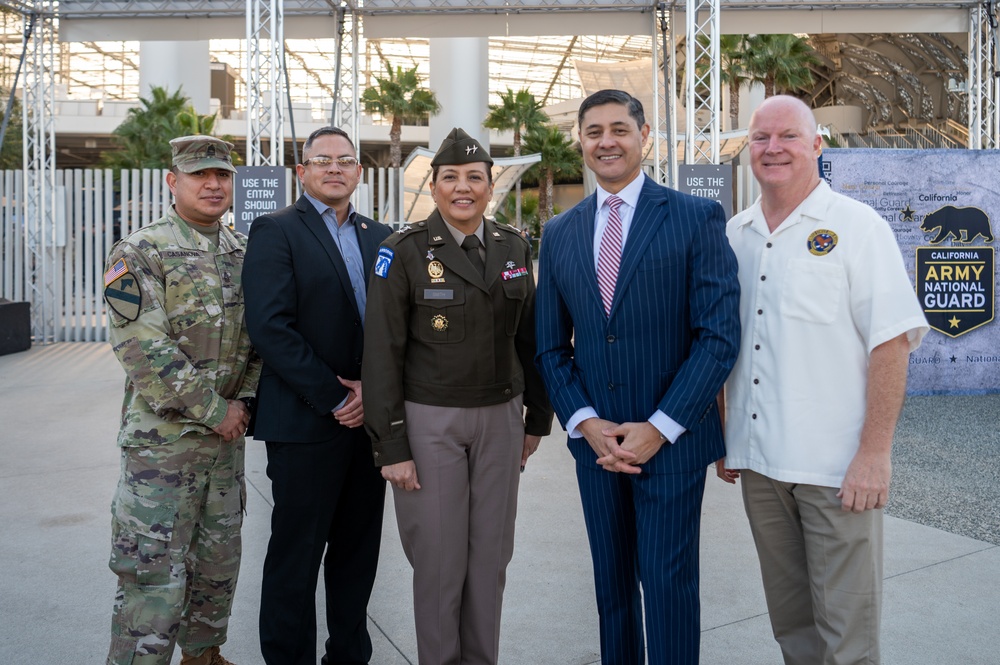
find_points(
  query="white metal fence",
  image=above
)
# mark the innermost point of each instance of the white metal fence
(94, 208)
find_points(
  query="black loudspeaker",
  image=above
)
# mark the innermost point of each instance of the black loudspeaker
(15, 326)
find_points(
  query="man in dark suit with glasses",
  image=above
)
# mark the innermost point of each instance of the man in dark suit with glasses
(305, 278)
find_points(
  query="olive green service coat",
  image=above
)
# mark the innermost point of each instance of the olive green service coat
(437, 333)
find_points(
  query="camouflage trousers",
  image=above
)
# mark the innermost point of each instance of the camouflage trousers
(176, 544)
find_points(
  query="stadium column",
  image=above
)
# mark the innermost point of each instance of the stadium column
(460, 80)
(174, 65)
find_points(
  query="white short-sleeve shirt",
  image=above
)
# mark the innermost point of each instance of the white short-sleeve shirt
(817, 295)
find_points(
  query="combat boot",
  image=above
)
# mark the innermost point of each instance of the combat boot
(210, 656)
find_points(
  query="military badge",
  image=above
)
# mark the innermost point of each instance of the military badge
(435, 269)
(436, 239)
(514, 274)
(430, 255)
(383, 261)
(403, 229)
(123, 294)
(822, 242)
(510, 265)
(439, 323)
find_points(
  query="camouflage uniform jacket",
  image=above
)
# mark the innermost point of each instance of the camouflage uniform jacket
(187, 351)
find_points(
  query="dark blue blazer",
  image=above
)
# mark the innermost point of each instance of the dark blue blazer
(673, 333)
(303, 320)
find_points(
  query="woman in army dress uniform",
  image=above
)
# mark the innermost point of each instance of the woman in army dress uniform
(447, 372)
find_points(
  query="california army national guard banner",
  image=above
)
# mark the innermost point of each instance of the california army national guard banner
(942, 205)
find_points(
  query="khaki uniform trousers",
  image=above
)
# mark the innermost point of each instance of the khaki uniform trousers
(457, 530)
(176, 546)
(822, 570)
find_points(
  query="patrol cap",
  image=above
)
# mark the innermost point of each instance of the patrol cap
(195, 153)
(460, 148)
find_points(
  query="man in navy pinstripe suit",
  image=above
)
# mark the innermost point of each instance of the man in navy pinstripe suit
(634, 342)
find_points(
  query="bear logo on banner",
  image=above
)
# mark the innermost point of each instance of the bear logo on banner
(962, 225)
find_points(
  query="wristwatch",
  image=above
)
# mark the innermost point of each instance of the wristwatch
(250, 403)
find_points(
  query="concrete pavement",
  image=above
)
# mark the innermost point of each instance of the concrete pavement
(59, 409)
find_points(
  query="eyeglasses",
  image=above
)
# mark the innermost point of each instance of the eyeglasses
(323, 162)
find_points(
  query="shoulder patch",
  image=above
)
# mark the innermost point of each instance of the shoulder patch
(383, 261)
(123, 295)
(115, 271)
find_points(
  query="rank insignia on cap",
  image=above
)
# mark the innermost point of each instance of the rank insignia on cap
(383, 261)
(124, 297)
(435, 269)
(821, 242)
(439, 323)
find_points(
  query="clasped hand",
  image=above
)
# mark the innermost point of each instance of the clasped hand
(621, 448)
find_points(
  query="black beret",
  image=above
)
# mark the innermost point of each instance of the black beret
(460, 148)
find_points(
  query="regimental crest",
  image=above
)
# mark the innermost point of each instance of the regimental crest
(821, 242)
(124, 297)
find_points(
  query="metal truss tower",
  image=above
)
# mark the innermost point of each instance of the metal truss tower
(664, 90)
(265, 83)
(39, 150)
(984, 86)
(346, 113)
(701, 78)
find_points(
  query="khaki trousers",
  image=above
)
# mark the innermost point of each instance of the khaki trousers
(458, 530)
(822, 570)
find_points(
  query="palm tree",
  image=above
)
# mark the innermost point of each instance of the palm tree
(780, 62)
(505, 212)
(517, 112)
(732, 70)
(399, 97)
(559, 158)
(144, 136)
(11, 153)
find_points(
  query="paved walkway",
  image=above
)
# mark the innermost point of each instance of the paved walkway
(58, 419)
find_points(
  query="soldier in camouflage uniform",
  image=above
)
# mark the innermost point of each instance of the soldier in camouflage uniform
(175, 302)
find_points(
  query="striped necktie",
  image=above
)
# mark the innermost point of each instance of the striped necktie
(609, 255)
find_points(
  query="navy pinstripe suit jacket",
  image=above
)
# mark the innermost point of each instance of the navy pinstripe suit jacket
(673, 333)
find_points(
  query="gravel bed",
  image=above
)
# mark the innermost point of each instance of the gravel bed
(946, 465)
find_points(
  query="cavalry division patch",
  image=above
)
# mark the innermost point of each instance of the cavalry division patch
(123, 295)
